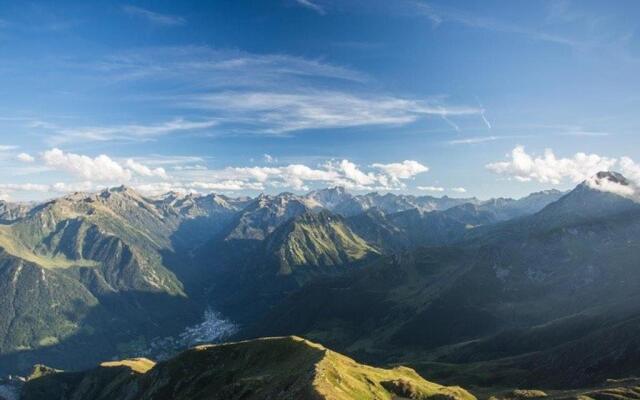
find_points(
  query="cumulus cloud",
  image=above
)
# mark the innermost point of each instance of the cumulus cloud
(404, 170)
(65, 187)
(101, 168)
(548, 168)
(146, 174)
(143, 170)
(300, 176)
(607, 185)
(580, 167)
(25, 157)
(629, 169)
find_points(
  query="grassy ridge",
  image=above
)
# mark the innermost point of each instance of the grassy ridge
(283, 368)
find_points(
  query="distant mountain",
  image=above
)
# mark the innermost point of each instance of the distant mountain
(263, 215)
(317, 242)
(505, 209)
(282, 368)
(524, 298)
(92, 269)
(13, 211)
(201, 217)
(330, 198)
(245, 275)
(108, 274)
(391, 203)
(414, 227)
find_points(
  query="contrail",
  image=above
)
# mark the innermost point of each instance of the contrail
(484, 118)
(451, 123)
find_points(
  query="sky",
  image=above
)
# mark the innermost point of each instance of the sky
(458, 98)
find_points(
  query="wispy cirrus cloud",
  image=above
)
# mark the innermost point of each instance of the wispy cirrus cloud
(240, 92)
(153, 17)
(474, 140)
(281, 112)
(482, 139)
(57, 134)
(438, 15)
(206, 67)
(312, 5)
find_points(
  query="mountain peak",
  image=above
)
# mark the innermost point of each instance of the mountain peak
(121, 190)
(613, 182)
(612, 176)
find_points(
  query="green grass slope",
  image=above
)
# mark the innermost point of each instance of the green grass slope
(316, 240)
(271, 368)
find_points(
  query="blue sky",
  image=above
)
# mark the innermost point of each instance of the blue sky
(463, 98)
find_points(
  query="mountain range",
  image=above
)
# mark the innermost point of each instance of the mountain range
(499, 293)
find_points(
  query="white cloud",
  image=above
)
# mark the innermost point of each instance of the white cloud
(64, 187)
(143, 170)
(154, 17)
(195, 167)
(299, 176)
(607, 185)
(312, 6)
(404, 170)
(101, 168)
(630, 169)
(144, 173)
(550, 169)
(205, 67)
(24, 157)
(439, 15)
(283, 112)
(259, 93)
(474, 140)
(24, 187)
(458, 190)
(132, 132)
(269, 159)
(431, 188)
(7, 147)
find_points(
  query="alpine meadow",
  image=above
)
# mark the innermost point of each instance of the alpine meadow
(320, 200)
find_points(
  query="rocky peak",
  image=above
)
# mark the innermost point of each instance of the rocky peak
(612, 176)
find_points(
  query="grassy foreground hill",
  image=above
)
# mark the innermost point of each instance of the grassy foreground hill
(270, 368)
